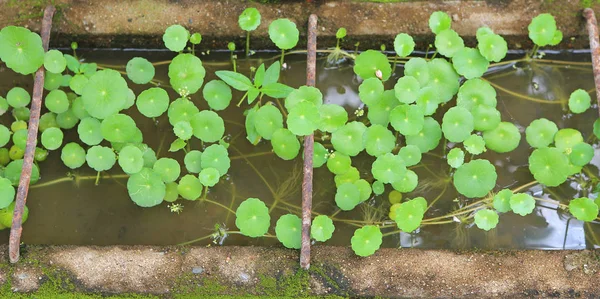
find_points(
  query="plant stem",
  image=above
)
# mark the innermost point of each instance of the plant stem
(242, 100)
(97, 178)
(247, 43)
(282, 56)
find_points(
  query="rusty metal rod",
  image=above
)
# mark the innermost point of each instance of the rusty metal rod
(592, 29)
(309, 142)
(34, 119)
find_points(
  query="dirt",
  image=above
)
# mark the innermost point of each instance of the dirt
(141, 23)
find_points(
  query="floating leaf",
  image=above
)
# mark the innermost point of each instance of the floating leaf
(73, 155)
(457, 124)
(542, 29)
(100, 158)
(249, 19)
(448, 42)
(540, 133)
(579, 101)
(366, 240)
(209, 176)
(189, 187)
(267, 120)
(407, 119)
(193, 161)
(338, 163)
(476, 92)
(428, 100)
(349, 176)
(378, 187)
(56, 101)
(168, 169)
(522, 203)
(4, 135)
(322, 228)
(347, 196)
(406, 89)
(216, 156)
(55, 62)
(208, 126)
(443, 79)
(469, 63)
(364, 189)
(90, 131)
(146, 188)
(502, 200)
(186, 74)
(439, 21)
(78, 83)
(52, 138)
(67, 119)
(417, 68)
(22, 113)
(349, 138)
(474, 144)
(370, 90)
(486, 219)
(20, 138)
(378, 140)
(492, 46)
(581, 154)
(410, 154)
(18, 97)
(388, 168)
(289, 231)
(456, 157)
(485, 118)
(139, 70)
(177, 145)
(566, 139)
(130, 159)
(284, 33)
(252, 218)
(304, 94)
(285, 144)
(217, 94)
(14, 169)
(183, 130)
(582, 208)
(503, 139)
(7, 193)
(428, 138)
(403, 44)
(320, 155)
(332, 117)
(475, 179)
(549, 166)
(181, 109)
(410, 214)
(176, 37)
(379, 114)
(407, 183)
(52, 81)
(21, 49)
(171, 194)
(303, 119)
(104, 94)
(369, 62)
(118, 128)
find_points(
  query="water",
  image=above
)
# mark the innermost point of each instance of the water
(86, 214)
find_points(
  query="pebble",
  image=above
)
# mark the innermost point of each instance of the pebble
(197, 270)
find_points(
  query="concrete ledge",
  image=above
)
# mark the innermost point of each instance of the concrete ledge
(231, 270)
(141, 23)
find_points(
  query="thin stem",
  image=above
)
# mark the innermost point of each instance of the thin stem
(247, 43)
(521, 95)
(97, 178)
(242, 100)
(233, 194)
(196, 240)
(218, 204)
(251, 155)
(282, 56)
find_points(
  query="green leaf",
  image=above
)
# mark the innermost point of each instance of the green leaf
(267, 120)
(378, 140)
(52, 138)
(209, 176)
(18, 97)
(189, 187)
(339, 163)
(492, 46)
(56, 101)
(131, 159)
(566, 139)
(181, 109)
(350, 176)
(364, 189)
(439, 21)
(276, 90)
(369, 62)
(403, 44)
(410, 154)
(253, 93)
(347, 196)
(177, 145)
(146, 189)
(349, 138)
(378, 187)
(289, 231)
(469, 63)
(208, 126)
(259, 76)
(272, 73)
(284, 33)
(171, 194)
(486, 219)
(474, 144)
(100, 158)
(55, 62)
(285, 144)
(320, 155)
(448, 42)
(332, 117)
(549, 166)
(579, 101)
(379, 113)
(104, 94)
(168, 169)
(457, 124)
(21, 49)
(485, 118)
(581, 154)
(153, 102)
(443, 79)
(303, 118)
(322, 228)
(73, 155)
(417, 68)
(410, 214)
(7, 193)
(407, 119)
(340, 33)
(186, 74)
(78, 83)
(475, 179)
(456, 157)
(388, 168)
(139, 70)
(250, 124)
(428, 138)
(249, 19)
(370, 90)
(406, 89)
(542, 29)
(193, 161)
(502, 200)
(175, 38)
(14, 169)
(366, 240)
(196, 38)
(252, 218)
(216, 156)
(235, 80)
(583, 209)
(303, 94)
(503, 139)
(118, 128)
(540, 133)
(407, 183)
(522, 203)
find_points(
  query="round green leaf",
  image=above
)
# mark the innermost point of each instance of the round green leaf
(350, 176)
(153, 102)
(338, 163)
(249, 19)
(303, 94)
(140, 70)
(406, 89)
(7, 193)
(67, 120)
(407, 183)
(469, 63)
(285, 144)
(583, 208)
(181, 109)
(196, 38)
(52, 138)
(146, 189)
(348, 139)
(410, 214)
(183, 130)
(448, 42)
(428, 100)
(407, 119)
(105, 94)
(208, 126)
(579, 101)
(18, 97)
(289, 231)
(193, 161)
(370, 90)
(456, 157)
(542, 29)
(320, 155)
(186, 74)
(217, 94)
(4, 135)
(403, 44)
(303, 119)
(581, 154)
(21, 49)
(502, 200)
(267, 120)
(486, 219)
(118, 128)
(522, 203)
(101, 158)
(347, 196)
(439, 21)
(54, 61)
(56, 101)
(428, 138)
(503, 139)
(566, 139)
(366, 240)
(332, 117)
(175, 38)
(252, 218)
(475, 179)
(457, 124)
(284, 33)
(322, 228)
(540, 133)
(474, 144)
(492, 46)
(388, 168)
(90, 132)
(369, 62)
(379, 113)
(378, 140)
(443, 79)
(189, 187)
(485, 118)
(130, 159)
(378, 187)
(410, 154)
(209, 176)
(73, 155)
(417, 68)
(216, 156)
(14, 169)
(168, 169)
(549, 166)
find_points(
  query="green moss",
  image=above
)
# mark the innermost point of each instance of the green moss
(267, 285)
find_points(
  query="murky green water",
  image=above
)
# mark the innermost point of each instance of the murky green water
(82, 213)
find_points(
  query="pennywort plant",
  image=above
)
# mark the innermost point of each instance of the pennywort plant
(394, 128)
